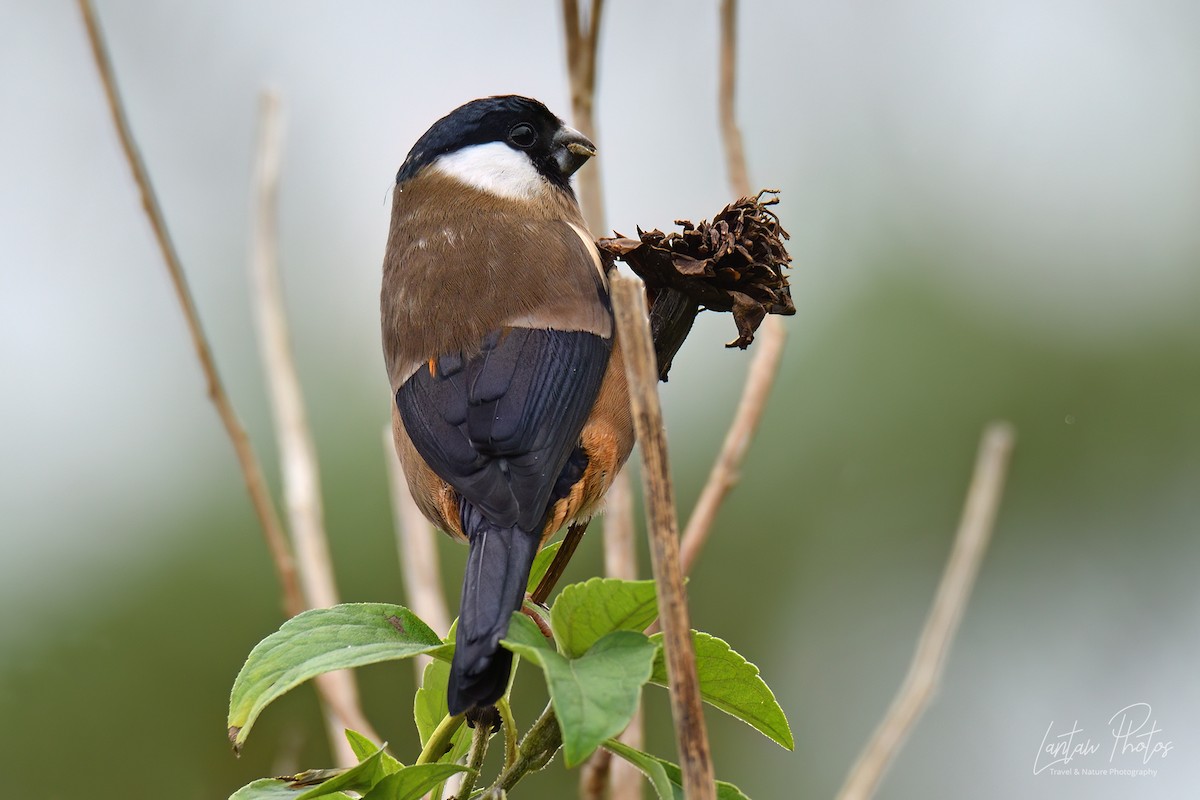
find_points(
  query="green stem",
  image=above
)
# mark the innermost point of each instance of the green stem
(510, 731)
(440, 740)
(537, 748)
(479, 744)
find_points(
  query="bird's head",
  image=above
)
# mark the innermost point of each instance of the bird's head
(507, 145)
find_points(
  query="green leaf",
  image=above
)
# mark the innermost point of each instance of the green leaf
(364, 748)
(595, 695)
(411, 783)
(429, 709)
(731, 683)
(276, 789)
(650, 767)
(541, 565)
(328, 783)
(319, 641)
(429, 704)
(359, 778)
(665, 777)
(584, 612)
(525, 632)
(458, 751)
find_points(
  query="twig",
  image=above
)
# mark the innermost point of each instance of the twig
(541, 742)
(620, 561)
(510, 731)
(479, 745)
(268, 519)
(594, 777)
(418, 551)
(929, 660)
(582, 41)
(768, 347)
(620, 543)
(441, 739)
(558, 564)
(641, 369)
(735, 153)
(297, 452)
(298, 455)
(771, 337)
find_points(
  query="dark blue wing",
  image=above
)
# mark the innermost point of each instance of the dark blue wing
(499, 425)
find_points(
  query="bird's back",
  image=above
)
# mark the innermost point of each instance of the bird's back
(530, 265)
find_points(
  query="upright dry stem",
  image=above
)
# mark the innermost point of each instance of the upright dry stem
(595, 775)
(260, 498)
(731, 134)
(582, 39)
(771, 336)
(768, 350)
(620, 561)
(419, 563)
(297, 451)
(929, 660)
(641, 369)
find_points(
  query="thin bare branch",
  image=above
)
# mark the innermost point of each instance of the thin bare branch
(415, 540)
(298, 456)
(572, 34)
(929, 660)
(419, 562)
(591, 54)
(641, 369)
(620, 561)
(731, 134)
(620, 545)
(582, 40)
(558, 564)
(582, 43)
(297, 452)
(771, 336)
(260, 498)
(594, 777)
(768, 350)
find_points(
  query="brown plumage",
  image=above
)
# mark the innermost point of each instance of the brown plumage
(499, 346)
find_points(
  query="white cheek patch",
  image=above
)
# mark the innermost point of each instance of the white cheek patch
(494, 168)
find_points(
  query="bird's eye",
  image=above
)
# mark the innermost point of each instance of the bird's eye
(523, 135)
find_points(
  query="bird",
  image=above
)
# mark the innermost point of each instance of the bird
(511, 409)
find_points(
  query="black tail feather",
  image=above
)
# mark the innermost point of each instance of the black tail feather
(493, 587)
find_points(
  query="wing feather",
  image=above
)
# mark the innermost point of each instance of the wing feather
(500, 425)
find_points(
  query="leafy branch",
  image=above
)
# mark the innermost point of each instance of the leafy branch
(595, 662)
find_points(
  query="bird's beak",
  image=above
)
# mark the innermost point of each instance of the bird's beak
(571, 150)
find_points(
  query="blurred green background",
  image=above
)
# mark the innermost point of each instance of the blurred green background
(994, 214)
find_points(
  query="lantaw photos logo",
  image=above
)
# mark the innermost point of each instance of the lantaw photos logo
(1133, 747)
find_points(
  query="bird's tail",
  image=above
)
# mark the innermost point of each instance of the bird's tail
(498, 566)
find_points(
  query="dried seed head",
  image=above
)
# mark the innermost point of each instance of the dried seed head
(734, 263)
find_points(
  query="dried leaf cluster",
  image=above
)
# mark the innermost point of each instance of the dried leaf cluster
(734, 263)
